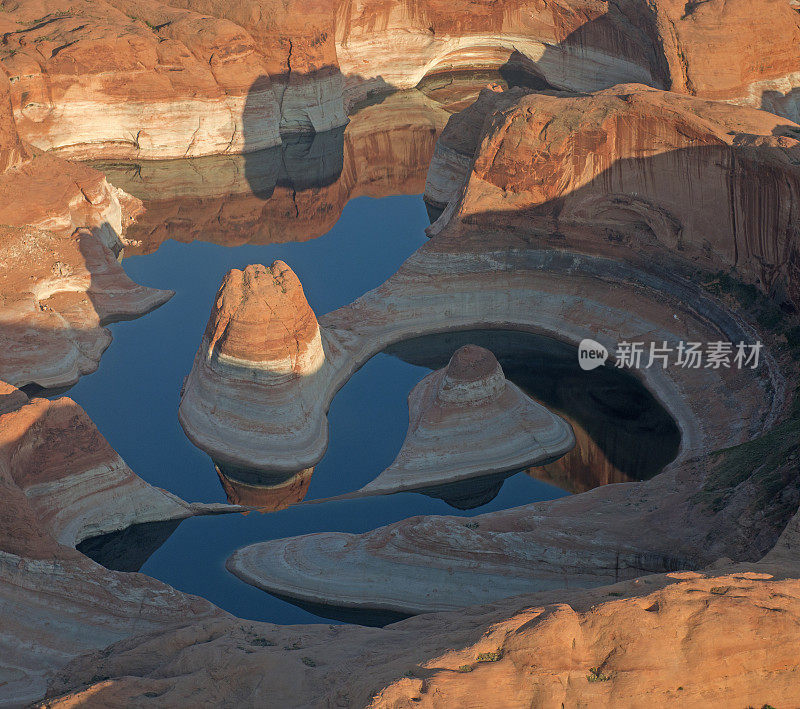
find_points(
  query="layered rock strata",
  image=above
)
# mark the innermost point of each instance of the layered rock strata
(61, 227)
(56, 292)
(542, 264)
(466, 421)
(177, 78)
(714, 184)
(264, 494)
(62, 483)
(252, 397)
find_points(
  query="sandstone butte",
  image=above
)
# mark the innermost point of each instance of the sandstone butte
(252, 394)
(181, 78)
(467, 420)
(133, 640)
(723, 634)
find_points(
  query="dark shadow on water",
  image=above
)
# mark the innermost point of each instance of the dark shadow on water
(128, 549)
(469, 494)
(358, 616)
(302, 162)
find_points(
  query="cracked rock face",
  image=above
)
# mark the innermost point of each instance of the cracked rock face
(466, 421)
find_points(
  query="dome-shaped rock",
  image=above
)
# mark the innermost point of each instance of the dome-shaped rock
(466, 421)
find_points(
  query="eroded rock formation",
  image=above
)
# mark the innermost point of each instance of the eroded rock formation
(714, 184)
(467, 420)
(251, 397)
(173, 78)
(56, 292)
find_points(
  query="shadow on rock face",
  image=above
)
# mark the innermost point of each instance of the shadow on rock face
(130, 548)
(303, 161)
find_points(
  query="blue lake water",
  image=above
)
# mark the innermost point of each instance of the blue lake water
(133, 397)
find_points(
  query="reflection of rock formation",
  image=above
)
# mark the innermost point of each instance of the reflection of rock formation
(712, 183)
(266, 493)
(468, 494)
(466, 421)
(293, 192)
(250, 396)
(586, 466)
(504, 281)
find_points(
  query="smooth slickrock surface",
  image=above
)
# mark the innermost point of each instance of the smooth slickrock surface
(55, 294)
(251, 397)
(61, 226)
(467, 420)
(712, 183)
(691, 639)
(534, 278)
(61, 483)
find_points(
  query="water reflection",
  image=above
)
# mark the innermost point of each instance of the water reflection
(129, 548)
(265, 492)
(293, 192)
(622, 433)
(469, 494)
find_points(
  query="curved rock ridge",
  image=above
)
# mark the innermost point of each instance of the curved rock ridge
(467, 420)
(61, 484)
(78, 486)
(249, 398)
(56, 292)
(579, 281)
(716, 184)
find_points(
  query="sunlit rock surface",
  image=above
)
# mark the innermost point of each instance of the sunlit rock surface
(61, 226)
(467, 420)
(251, 398)
(56, 292)
(159, 79)
(715, 184)
(613, 647)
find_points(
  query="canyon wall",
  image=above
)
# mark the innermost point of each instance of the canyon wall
(716, 185)
(179, 78)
